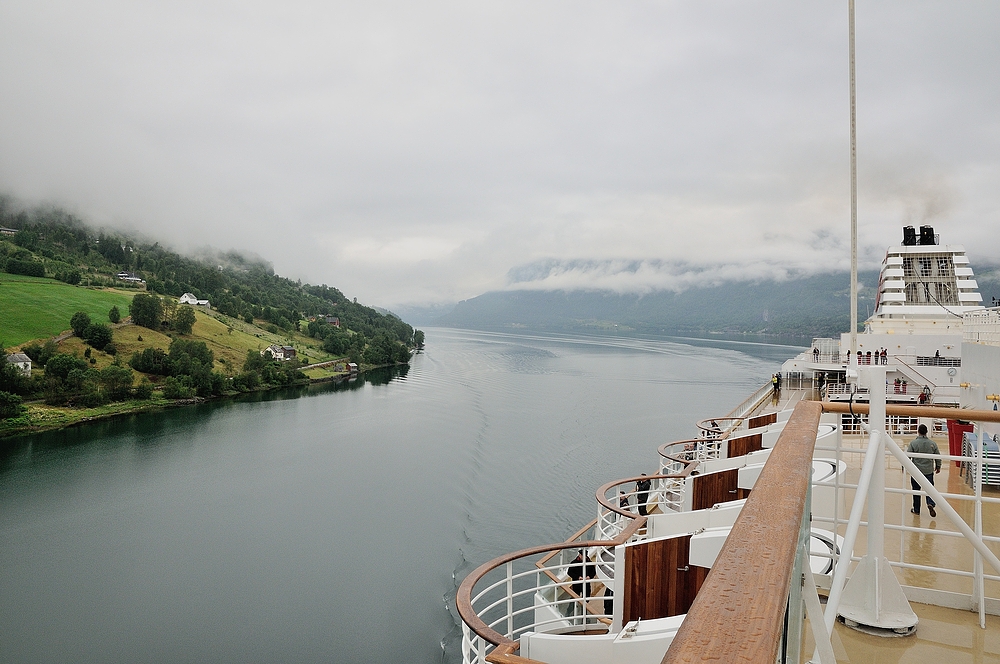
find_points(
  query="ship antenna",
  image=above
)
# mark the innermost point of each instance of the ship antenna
(854, 195)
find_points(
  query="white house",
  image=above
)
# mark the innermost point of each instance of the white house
(21, 361)
(131, 277)
(189, 298)
(283, 353)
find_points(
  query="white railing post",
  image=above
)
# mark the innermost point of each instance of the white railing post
(980, 589)
(510, 600)
(850, 536)
(795, 623)
(873, 597)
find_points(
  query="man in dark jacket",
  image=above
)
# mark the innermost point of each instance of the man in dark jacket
(642, 494)
(927, 467)
(575, 572)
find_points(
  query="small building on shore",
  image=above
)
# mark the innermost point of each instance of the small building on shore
(21, 361)
(280, 353)
(189, 298)
(130, 277)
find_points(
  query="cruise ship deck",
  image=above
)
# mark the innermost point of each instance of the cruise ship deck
(921, 543)
(938, 569)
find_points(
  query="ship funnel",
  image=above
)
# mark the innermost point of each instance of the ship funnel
(909, 236)
(927, 235)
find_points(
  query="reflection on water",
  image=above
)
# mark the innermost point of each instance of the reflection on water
(332, 522)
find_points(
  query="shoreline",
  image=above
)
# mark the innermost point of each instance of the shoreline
(59, 417)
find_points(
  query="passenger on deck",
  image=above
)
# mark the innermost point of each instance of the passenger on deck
(927, 467)
(575, 572)
(642, 494)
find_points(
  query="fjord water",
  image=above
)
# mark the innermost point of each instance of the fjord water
(333, 523)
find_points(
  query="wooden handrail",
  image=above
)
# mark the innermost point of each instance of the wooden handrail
(739, 612)
(504, 654)
(463, 599)
(706, 424)
(661, 450)
(939, 412)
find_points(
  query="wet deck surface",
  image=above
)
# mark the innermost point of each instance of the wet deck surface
(943, 636)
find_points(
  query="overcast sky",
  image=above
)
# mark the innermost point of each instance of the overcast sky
(422, 152)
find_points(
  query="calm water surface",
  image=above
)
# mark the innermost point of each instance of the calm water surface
(333, 524)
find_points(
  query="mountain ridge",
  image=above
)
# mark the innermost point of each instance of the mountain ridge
(811, 306)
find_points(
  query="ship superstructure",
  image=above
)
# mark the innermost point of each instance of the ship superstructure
(924, 287)
(925, 291)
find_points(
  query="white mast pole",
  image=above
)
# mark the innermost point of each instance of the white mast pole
(854, 198)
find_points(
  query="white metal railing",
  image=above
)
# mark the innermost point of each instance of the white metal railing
(546, 589)
(982, 327)
(846, 389)
(869, 359)
(668, 492)
(825, 358)
(938, 361)
(611, 524)
(964, 561)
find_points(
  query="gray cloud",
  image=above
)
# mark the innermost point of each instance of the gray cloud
(416, 152)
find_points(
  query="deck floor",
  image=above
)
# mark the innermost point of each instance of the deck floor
(943, 635)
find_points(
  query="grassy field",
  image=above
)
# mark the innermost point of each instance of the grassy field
(228, 339)
(36, 308)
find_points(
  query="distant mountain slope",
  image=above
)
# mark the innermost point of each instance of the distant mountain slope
(812, 306)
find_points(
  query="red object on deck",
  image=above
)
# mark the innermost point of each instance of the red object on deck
(956, 432)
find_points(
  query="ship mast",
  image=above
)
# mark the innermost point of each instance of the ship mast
(854, 197)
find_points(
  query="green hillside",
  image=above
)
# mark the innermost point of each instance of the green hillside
(35, 307)
(53, 267)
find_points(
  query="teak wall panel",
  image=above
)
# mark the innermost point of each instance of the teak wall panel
(712, 488)
(658, 580)
(761, 420)
(745, 445)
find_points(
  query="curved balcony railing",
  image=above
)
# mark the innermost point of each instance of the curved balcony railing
(615, 512)
(675, 458)
(543, 588)
(719, 427)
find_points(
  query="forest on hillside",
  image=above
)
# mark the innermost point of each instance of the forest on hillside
(51, 242)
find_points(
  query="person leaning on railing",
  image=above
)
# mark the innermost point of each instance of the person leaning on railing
(927, 467)
(642, 493)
